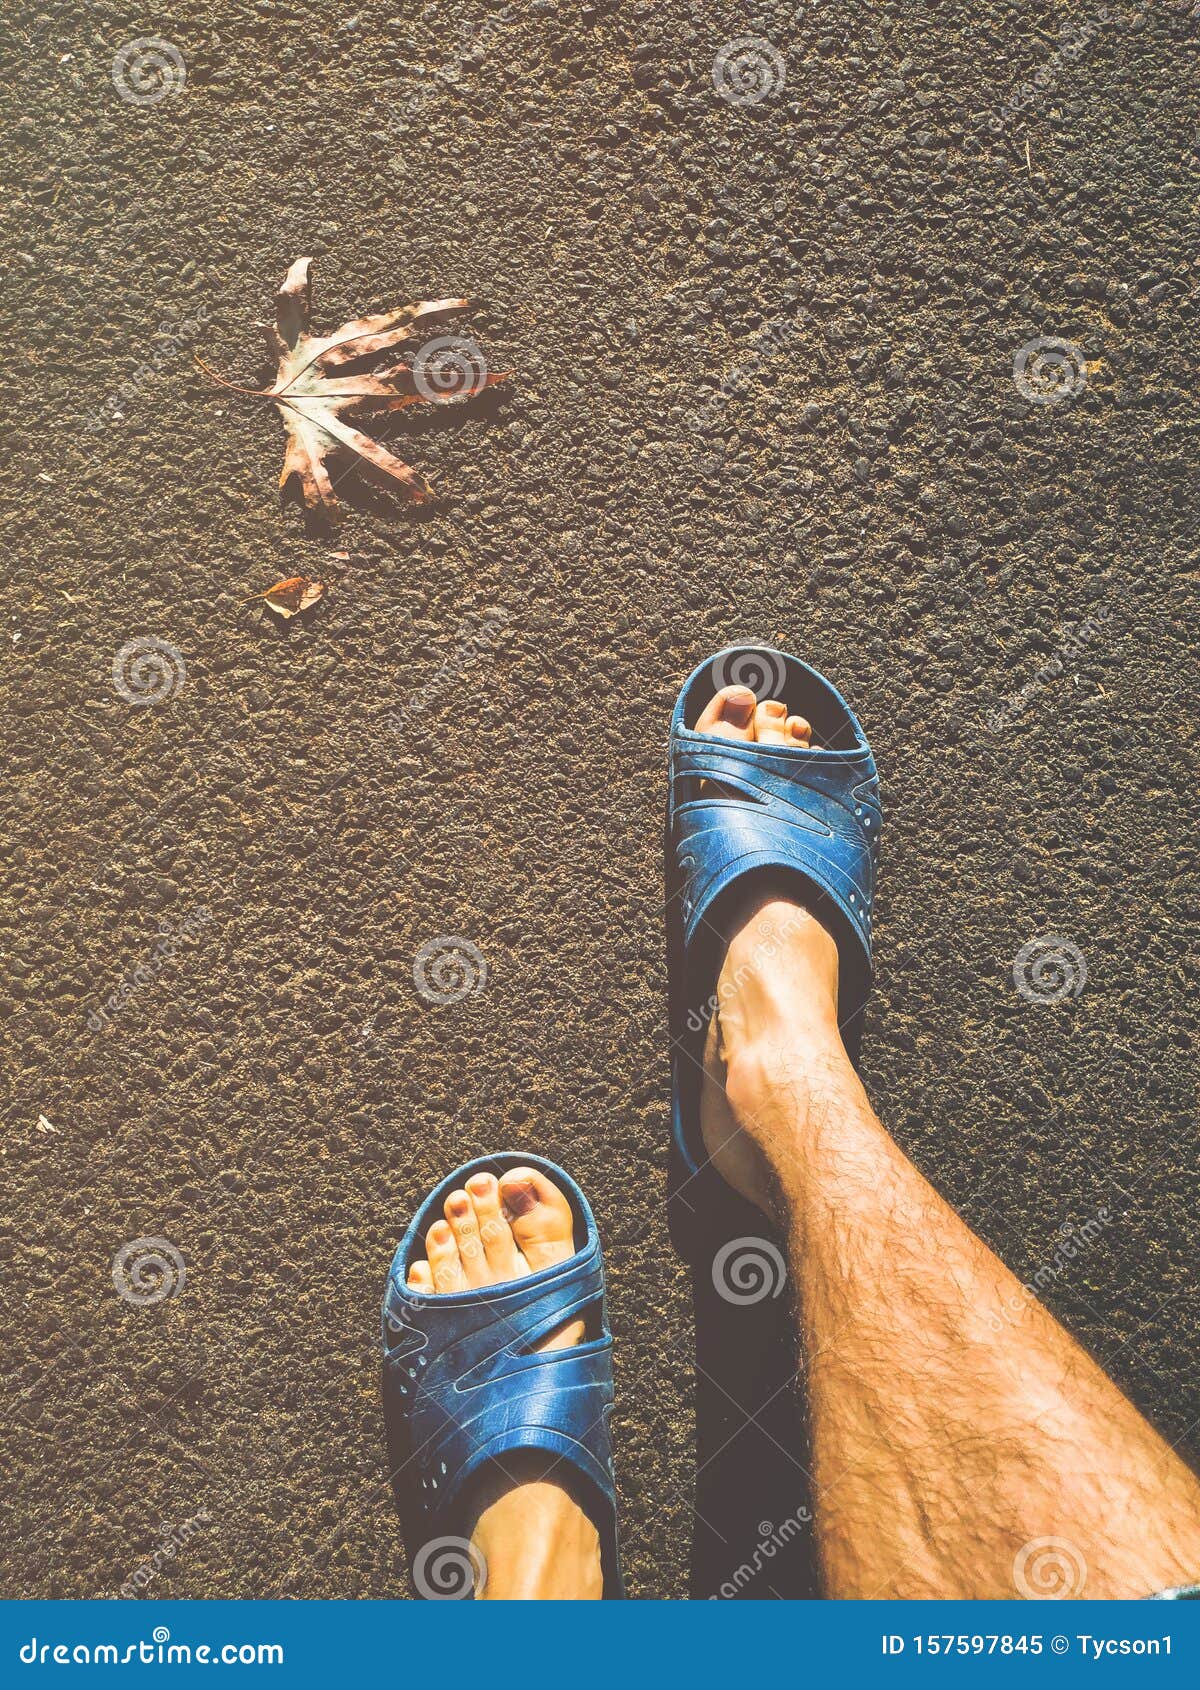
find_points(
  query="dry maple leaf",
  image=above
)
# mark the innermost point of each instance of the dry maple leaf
(321, 382)
(288, 598)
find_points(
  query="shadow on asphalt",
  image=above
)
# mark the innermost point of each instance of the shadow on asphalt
(753, 1534)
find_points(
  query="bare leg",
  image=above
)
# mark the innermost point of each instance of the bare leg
(956, 1426)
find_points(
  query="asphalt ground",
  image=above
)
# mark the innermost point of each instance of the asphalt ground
(780, 374)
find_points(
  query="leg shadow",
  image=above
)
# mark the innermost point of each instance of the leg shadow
(753, 1532)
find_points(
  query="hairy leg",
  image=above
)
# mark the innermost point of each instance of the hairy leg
(956, 1426)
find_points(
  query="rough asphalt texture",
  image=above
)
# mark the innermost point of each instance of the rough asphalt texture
(763, 389)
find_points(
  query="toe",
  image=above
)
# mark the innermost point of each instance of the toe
(799, 731)
(420, 1277)
(444, 1265)
(769, 723)
(460, 1212)
(540, 1217)
(499, 1245)
(730, 714)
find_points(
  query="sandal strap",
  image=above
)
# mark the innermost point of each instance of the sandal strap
(817, 812)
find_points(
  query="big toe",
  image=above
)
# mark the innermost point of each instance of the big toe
(539, 1215)
(729, 714)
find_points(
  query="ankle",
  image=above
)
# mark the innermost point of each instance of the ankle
(788, 1098)
(776, 1021)
(536, 1544)
(787, 1076)
(773, 1048)
(779, 978)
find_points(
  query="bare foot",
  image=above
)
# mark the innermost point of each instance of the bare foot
(534, 1539)
(777, 991)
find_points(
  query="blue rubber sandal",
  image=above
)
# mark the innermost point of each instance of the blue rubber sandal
(810, 818)
(463, 1388)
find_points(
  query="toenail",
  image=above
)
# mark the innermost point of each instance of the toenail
(520, 1199)
(459, 1204)
(480, 1184)
(738, 707)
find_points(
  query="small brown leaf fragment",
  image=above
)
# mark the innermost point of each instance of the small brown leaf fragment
(292, 304)
(288, 598)
(323, 381)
